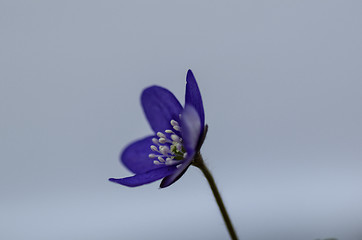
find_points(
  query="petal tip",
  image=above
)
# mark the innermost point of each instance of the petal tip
(160, 107)
(189, 74)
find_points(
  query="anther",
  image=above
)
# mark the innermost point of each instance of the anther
(170, 162)
(161, 135)
(177, 128)
(151, 155)
(162, 140)
(161, 159)
(179, 147)
(156, 162)
(175, 138)
(169, 131)
(174, 123)
(155, 141)
(154, 148)
(164, 150)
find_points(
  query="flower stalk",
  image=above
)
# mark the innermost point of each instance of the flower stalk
(199, 163)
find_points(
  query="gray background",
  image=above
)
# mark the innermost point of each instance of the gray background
(281, 83)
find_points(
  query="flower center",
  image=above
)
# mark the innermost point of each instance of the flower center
(168, 151)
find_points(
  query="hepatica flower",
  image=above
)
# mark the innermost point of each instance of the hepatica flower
(178, 135)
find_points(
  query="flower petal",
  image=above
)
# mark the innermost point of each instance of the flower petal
(193, 96)
(190, 125)
(143, 178)
(167, 181)
(160, 107)
(191, 128)
(135, 156)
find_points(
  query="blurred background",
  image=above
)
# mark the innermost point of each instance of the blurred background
(281, 83)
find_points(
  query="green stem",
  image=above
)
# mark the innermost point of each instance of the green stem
(199, 162)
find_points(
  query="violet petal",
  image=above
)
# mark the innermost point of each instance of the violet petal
(144, 178)
(160, 107)
(135, 156)
(193, 96)
(191, 128)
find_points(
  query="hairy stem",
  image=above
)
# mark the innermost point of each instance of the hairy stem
(199, 162)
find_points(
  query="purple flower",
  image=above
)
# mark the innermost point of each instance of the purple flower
(178, 135)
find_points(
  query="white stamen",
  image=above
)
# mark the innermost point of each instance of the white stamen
(168, 139)
(169, 162)
(175, 138)
(162, 140)
(179, 147)
(161, 135)
(155, 141)
(164, 150)
(177, 128)
(174, 123)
